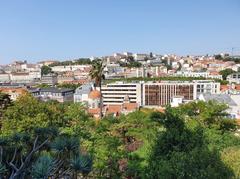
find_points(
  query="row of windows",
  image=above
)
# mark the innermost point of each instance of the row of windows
(119, 93)
(117, 97)
(121, 86)
(118, 89)
(161, 95)
(120, 102)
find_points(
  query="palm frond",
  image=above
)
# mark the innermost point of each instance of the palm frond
(2, 169)
(43, 167)
(63, 144)
(82, 163)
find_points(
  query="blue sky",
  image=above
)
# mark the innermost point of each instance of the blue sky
(58, 29)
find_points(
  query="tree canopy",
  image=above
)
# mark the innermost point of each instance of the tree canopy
(51, 139)
(226, 72)
(46, 70)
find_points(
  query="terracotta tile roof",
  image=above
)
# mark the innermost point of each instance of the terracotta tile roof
(214, 73)
(237, 87)
(117, 109)
(224, 87)
(13, 90)
(110, 109)
(20, 74)
(130, 106)
(94, 111)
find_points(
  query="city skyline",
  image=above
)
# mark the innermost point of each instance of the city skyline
(35, 31)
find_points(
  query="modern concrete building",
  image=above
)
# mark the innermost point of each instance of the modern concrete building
(50, 79)
(115, 93)
(161, 93)
(155, 94)
(206, 86)
(204, 74)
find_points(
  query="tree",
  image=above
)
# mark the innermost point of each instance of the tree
(226, 72)
(46, 153)
(151, 55)
(182, 152)
(130, 64)
(46, 70)
(97, 75)
(218, 57)
(32, 128)
(230, 156)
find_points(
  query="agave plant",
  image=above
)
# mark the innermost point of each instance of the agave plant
(66, 144)
(44, 167)
(2, 169)
(81, 164)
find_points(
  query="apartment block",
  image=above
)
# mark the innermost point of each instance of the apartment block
(155, 94)
(234, 78)
(116, 92)
(59, 94)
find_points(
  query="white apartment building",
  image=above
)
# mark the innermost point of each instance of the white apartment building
(127, 54)
(197, 74)
(206, 86)
(4, 77)
(20, 77)
(139, 57)
(234, 78)
(69, 68)
(116, 92)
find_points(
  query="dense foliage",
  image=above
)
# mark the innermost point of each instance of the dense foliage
(167, 78)
(51, 139)
(130, 64)
(226, 72)
(80, 61)
(45, 70)
(228, 58)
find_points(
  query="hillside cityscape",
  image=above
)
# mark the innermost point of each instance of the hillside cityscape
(119, 89)
(129, 81)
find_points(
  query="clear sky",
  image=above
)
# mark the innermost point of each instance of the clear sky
(62, 29)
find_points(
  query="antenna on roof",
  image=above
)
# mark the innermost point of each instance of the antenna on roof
(232, 50)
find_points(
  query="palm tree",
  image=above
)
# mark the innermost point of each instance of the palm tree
(96, 74)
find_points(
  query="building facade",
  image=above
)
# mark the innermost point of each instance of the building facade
(81, 93)
(155, 94)
(116, 92)
(46, 94)
(50, 79)
(234, 78)
(161, 94)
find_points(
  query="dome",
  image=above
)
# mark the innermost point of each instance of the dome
(94, 94)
